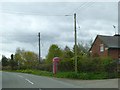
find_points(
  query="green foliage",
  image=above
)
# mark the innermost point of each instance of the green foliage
(45, 67)
(6, 67)
(67, 53)
(8, 63)
(66, 65)
(36, 72)
(13, 64)
(109, 64)
(81, 49)
(88, 67)
(5, 61)
(71, 75)
(66, 62)
(83, 75)
(26, 59)
(54, 51)
(96, 64)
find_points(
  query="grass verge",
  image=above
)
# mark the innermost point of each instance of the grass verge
(71, 75)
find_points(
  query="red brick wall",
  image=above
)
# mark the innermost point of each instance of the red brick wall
(114, 53)
(96, 48)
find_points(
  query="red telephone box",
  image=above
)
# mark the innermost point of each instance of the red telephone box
(55, 64)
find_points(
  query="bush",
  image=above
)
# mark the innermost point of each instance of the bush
(6, 68)
(71, 75)
(83, 75)
(66, 65)
(109, 65)
(45, 67)
(36, 72)
(88, 64)
(96, 64)
(25, 71)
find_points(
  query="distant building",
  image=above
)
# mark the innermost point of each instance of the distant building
(106, 46)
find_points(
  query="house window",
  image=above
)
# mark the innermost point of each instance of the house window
(101, 48)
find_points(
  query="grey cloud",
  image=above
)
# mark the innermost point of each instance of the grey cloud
(42, 8)
(19, 37)
(21, 30)
(100, 11)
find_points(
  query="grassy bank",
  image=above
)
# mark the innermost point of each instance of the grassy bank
(71, 75)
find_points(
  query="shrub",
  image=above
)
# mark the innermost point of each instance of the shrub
(109, 65)
(44, 67)
(25, 71)
(6, 68)
(66, 65)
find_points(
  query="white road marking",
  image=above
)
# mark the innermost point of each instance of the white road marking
(29, 81)
(20, 76)
(26, 79)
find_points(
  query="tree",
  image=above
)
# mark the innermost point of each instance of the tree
(81, 49)
(66, 64)
(30, 59)
(54, 51)
(67, 53)
(5, 61)
(27, 59)
(19, 56)
(13, 63)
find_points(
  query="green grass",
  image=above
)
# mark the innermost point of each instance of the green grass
(36, 72)
(70, 75)
(82, 75)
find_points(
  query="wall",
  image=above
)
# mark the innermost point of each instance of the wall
(96, 48)
(114, 53)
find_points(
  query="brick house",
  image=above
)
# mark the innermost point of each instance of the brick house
(104, 46)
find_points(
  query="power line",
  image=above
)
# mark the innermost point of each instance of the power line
(31, 13)
(88, 5)
(82, 6)
(77, 8)
(12, 35)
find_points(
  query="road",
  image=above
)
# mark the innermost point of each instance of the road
(21, 80)
(18, 80)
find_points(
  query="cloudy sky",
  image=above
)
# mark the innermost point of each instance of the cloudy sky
(20, 23)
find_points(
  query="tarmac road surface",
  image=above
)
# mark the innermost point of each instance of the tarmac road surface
(21, 80)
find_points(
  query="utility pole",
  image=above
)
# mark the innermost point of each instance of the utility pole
(75, 42)
(39, 48)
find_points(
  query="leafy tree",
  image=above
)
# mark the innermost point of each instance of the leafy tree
(82, 49)
(13, 63)
(30, 59)
(66, 64)
(19, 56)
(79, 49)
(54, 51)
(67, 53)
(26, 59)
(5, 61)
(66, 48)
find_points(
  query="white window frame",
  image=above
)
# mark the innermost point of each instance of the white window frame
(101, 47)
